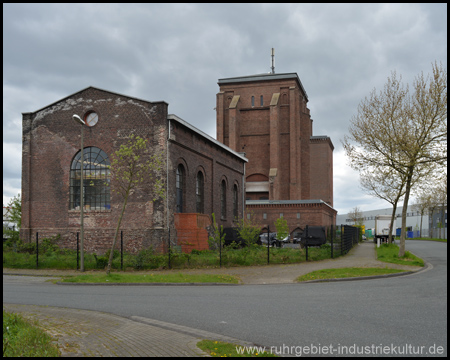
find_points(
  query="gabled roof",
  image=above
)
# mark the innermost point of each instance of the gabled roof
(204, 135)
(95, 88)
(263, 77)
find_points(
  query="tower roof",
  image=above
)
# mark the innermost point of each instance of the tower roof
(263, 77)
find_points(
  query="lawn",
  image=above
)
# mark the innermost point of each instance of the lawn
(151, 278)
(346, 273)
(223, 349)
(389, 253)
(22, 338)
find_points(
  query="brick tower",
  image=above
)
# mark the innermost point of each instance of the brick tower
(266, 117)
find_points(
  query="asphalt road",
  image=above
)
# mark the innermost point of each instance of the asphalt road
(392, 316)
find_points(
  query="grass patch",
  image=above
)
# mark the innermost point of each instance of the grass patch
(151, 278)
(222, 349)
(429, 239)
(346, 273)
(389, 253)
(22, 338)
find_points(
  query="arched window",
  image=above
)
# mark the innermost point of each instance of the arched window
(223, 200)
(199, 193)
(96, 180)
(180, 187)
(235, 201)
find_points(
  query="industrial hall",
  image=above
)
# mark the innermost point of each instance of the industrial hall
(265, 163)
(201, 176)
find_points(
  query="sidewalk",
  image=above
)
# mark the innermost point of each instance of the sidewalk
(91, 333)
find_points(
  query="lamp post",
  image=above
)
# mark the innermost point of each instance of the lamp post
(80, 121)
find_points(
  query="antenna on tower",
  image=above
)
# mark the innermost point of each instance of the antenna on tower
(273, 61)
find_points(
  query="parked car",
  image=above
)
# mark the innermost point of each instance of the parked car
(263, 238)
(273, 239)
(284, 240)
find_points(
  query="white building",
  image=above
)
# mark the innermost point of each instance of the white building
(413, 220)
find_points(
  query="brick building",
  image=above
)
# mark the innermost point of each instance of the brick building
(200, 174)
(290, 171)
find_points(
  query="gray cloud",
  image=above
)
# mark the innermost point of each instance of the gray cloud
(177, 52)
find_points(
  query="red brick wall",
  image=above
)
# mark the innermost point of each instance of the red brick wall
(191, 230)
(281, 133)
(318, 214)
(278, 136)
(322, 169)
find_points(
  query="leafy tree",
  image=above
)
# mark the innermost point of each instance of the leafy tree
(15, 216)
(248, 230)
(131, 165)
(402, 131)
(282, 228)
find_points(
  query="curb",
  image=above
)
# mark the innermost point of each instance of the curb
(146, 284)
(368, 277)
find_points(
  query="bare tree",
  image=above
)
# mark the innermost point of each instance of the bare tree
(422, 206)
(401, 131)
(386, 185)
(356, 216)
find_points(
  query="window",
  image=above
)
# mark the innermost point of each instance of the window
(180, 187)
(253, 101)
(91, 118)
(223, 200)
(199, 192)
(262, 101)
(96, 178)
(235, 201)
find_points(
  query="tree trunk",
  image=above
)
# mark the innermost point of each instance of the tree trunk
(421, 218)
(401, 251)
(392, 222)
(108, 269)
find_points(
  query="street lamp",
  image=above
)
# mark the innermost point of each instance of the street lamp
(80, 121)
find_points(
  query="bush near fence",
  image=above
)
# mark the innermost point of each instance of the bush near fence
(340, 239)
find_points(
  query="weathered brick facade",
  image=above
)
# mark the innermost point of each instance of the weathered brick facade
(266, 117)
(51, 139)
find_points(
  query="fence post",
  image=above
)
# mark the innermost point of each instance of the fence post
(268, 242)
(306, 241)
(37, 251)
(331, 235)
(78, 249)
(121, 250)
(220, 247)
(169, 248)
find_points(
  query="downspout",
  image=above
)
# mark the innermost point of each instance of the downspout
(243, 193)
(167, 183)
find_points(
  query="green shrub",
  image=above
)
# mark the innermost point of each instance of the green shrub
(147, 259)
(101, 261)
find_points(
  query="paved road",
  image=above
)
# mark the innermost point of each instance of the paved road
(407, 312)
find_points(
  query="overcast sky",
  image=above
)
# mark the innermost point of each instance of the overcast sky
(177, 53)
